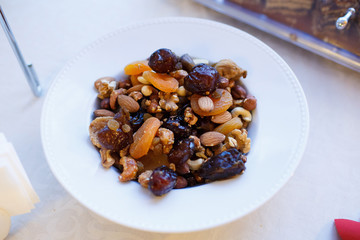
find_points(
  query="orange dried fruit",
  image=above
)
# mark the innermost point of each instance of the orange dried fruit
(220, 104)
(144, 137)
(134, 81)
(163, 82)
(136, 68)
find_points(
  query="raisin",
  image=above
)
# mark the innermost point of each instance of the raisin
(136, 120)
(178, 126)
(224, 165)
(182, 151)
(162, 180)
(205, 125)
(203, 79)
(163, 61)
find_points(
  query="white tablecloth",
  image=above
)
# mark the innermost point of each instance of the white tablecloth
(325, 185)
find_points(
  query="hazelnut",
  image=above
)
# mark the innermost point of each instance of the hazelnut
(181, 182)
(238, 92)
(223, 82)
(105, 103)
(250, 103)
(124, 83)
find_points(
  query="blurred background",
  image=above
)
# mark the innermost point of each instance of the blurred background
(51, 32)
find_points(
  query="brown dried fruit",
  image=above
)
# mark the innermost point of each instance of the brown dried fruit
(95, 126)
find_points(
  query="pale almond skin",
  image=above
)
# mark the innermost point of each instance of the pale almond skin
(221, 118)
(103, 113)
(135, 88)
(210, 139)
(128, 102)
(225, 128)
(206, 104)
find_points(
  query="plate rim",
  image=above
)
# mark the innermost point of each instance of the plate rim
(266, 196)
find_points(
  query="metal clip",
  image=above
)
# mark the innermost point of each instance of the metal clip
(28, 69)
(343, 21)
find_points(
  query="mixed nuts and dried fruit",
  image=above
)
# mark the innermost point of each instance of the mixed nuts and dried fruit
(174, 122)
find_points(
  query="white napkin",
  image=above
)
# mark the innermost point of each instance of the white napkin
(17, 195)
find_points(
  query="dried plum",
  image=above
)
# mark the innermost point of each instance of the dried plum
(224, 165)
(114, 140)
(203, 79)
(182, 151)
(191, 180)
(122, 116)
(178, 126)
(162, 180)
(163, 61)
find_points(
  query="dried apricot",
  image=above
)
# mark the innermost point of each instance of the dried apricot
(134, 80)
(144, 137)
(163, 82)
(136, 68)
(220, 104)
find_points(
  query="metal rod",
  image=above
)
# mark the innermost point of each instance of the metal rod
(28, 69)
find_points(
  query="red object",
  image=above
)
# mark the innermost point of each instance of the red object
(348, 229)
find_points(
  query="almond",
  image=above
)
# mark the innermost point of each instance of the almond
(103, 113)
(128, 102)
(113, 97)
(206, 104)
(221, 118)
(210, 139)
(135, 88)
(227, 127)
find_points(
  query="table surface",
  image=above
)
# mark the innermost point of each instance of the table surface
(325, 185)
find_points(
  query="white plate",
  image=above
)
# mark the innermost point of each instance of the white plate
(279, 131)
